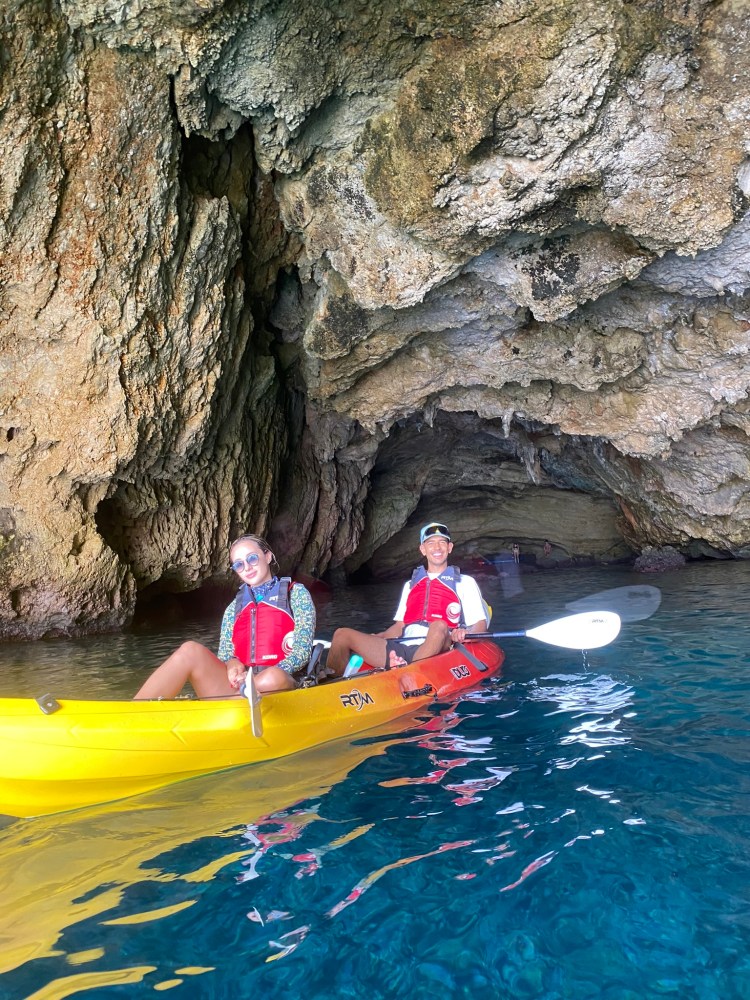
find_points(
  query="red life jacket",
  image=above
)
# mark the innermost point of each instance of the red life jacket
(434, 600)
(263, 632)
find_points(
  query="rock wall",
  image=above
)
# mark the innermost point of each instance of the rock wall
(325, 272)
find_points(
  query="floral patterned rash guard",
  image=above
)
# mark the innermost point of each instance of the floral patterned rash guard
(303, 612)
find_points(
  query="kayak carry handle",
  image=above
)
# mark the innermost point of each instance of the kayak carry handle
(48, 703)
(419, 692)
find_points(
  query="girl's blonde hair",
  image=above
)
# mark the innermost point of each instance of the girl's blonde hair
(260, 542)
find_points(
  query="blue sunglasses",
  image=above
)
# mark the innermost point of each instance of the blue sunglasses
(239, 565)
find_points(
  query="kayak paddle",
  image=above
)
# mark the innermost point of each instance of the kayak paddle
(632, 604)
(253, 699)
(588, 630)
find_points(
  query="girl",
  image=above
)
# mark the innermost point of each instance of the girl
(268, 628)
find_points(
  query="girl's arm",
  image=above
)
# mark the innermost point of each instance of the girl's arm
(303, 612)
(226, 645)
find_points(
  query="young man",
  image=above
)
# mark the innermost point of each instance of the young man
(438, 606)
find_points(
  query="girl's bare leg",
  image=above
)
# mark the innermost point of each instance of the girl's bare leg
(274, 679)
(191, 662)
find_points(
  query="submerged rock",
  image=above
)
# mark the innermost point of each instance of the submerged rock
(659, 560)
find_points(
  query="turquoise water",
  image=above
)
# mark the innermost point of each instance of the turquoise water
(579, 827)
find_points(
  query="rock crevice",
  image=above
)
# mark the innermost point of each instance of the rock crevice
(324, 273)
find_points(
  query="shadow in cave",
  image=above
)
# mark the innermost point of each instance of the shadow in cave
(156, 609)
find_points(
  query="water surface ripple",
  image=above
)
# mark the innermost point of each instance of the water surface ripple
(578, 827)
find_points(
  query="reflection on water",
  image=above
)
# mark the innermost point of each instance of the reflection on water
(579, 693)
(597, 701)
(575, 828)
(58, 871)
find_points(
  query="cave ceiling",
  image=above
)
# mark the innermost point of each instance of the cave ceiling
(327, 271)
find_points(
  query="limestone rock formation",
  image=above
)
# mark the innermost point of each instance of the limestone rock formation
(327, 271)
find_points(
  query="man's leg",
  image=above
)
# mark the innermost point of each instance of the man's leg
(347, 641)
(436, 641)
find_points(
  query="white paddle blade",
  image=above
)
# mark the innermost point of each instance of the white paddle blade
(633, 604)
(253, 698)
(585, 631)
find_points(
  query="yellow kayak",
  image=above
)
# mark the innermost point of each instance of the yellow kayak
(79, 753)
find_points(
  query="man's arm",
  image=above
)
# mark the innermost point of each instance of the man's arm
(472, 604)
(459, 634)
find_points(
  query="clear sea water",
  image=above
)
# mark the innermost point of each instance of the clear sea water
(579, 827)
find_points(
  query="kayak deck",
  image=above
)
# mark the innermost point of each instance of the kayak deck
(89, 752)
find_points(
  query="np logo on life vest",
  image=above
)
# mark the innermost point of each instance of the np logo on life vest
(287, 643)
(453, 611)
(460, 671)
(355, 699)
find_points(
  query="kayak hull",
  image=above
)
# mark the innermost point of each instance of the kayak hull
(89, 752)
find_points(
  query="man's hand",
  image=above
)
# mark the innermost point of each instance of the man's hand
(459, 634)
